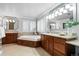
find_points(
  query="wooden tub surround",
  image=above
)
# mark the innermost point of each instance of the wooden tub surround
(29, 40)
(28, 43)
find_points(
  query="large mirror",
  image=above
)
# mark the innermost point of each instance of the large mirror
(61, 15)
(10, 23)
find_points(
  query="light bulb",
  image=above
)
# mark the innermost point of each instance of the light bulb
(61, 9)
(60, 13)
(10, 20)
(65, 11)
(55, 15)
(67, 6)
(71, 8)
(56, 12)
(13, 21)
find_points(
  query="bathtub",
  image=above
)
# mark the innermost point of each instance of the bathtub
(29, 40)
(30, 37)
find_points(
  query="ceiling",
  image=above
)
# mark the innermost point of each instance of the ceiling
(30, 10)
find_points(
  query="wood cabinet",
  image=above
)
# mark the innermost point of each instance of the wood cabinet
(10, 38)
(55, 46)
(59, 46)
(47, 43)
(50, 44)
(44, 42)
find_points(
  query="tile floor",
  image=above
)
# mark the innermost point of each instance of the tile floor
(18, 50)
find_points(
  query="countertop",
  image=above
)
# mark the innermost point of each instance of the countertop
(73, 42)
(11, 31)
(57, 35)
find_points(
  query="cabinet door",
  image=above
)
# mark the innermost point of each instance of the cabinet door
(10, 38)
(57, 53)
(59, 46)
(51, 45)
(46, 43)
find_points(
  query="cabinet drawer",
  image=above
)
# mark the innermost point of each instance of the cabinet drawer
(57, 53)
(59, 40)
(59, 47)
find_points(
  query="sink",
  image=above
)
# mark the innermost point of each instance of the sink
(62, 34)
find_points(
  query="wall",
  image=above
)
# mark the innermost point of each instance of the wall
(42, 25)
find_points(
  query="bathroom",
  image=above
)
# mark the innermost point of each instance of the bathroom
(25, 25)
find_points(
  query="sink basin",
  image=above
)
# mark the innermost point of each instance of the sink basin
(62, 34)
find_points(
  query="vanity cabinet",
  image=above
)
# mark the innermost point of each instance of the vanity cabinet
(51, 44)
(59, 46)
(44, 42)
(9, 38)
(47, 43)
(55, 46)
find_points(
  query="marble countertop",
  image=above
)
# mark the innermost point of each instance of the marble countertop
(11, 31)
(57, 35)
(73, 42)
